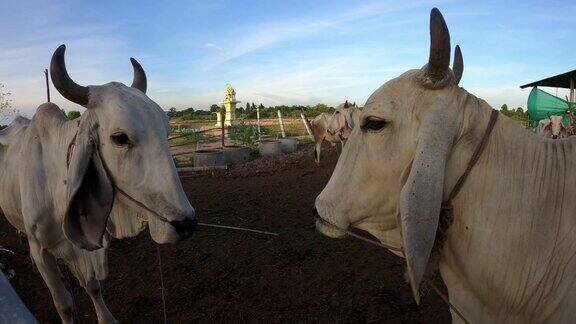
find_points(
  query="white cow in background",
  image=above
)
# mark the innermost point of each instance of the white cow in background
(60, 181)
(552, 127)
(333, 128)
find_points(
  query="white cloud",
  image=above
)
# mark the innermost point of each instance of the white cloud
(212, 46)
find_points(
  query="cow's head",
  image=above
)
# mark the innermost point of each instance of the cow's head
(556, 128)
(341, 122)
(121, 142)
(395, 158)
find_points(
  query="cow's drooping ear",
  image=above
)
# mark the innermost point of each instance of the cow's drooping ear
(90, 194)
(458, 65)
(422, 193)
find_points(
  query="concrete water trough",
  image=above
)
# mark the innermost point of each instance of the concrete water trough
(270, 147)
(288, 144)
(234, 154)
(208, 158)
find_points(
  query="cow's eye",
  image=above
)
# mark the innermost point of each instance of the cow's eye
(120, 139)
(374, 124)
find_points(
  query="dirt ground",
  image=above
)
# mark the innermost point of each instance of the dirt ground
(228, 276)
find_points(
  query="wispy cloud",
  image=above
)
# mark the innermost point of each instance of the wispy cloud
(212, 46)
(269, 33)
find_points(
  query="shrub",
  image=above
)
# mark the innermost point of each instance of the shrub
(246, 135)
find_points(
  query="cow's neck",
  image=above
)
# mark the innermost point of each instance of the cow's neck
(55, 133)
(511, 243)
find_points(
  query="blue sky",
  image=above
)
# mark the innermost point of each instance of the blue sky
(279, 52)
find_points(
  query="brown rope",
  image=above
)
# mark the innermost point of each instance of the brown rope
(475, 157)
(162, 284)
(447, 301)
(360, 237)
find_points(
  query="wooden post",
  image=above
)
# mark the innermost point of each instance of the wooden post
(222, 125)
(305, 121)
(571, 89)
(47, 84)
(281, 123)
(258, 119)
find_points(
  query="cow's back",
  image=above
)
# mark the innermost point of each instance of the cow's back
(11, 142)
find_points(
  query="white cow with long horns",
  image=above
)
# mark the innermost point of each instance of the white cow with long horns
(506, 247)
(60, 181)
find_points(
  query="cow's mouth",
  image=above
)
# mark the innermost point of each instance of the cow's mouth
(327, 228)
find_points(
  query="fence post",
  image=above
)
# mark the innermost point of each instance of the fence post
(281, 123)
(258, 120)
(305, 121)
(47, 85)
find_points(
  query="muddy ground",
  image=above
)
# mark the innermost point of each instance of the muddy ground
(228, 276)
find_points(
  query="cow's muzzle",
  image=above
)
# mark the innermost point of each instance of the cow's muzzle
(185, 227)
(554, 136)
(325, 227)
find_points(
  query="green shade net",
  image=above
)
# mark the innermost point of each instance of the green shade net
(541, 105)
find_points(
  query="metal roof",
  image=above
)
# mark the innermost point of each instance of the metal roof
(557, 81)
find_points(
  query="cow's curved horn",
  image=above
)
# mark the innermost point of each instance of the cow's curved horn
(458, 65)
(439, 60)
(139, 81)
(346, 104)
(62, 81)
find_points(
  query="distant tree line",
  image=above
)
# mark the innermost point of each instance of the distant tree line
(191, 114)
(517, 114)
(249, 111)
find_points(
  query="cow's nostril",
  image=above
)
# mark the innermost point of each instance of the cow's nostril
(185, 227)
(554, 136)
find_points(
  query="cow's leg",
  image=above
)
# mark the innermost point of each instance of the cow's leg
(48, 268)
(317, 150)
(95, 292)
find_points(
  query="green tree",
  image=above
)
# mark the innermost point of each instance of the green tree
(214, 108)
(172, 112)
(73, 114)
